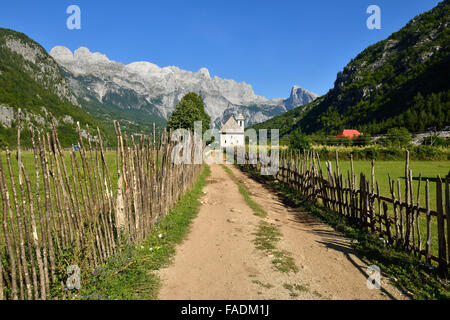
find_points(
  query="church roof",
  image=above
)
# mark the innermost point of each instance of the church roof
(240, 117)
(231, 126)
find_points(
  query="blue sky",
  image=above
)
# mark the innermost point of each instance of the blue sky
(271, 45)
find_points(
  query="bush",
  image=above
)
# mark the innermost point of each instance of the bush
(397, 137)
(299, 141)
(362, 140)
(383, 153)
(437, 142)
(429, 153)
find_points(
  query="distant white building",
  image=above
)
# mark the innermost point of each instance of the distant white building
(232, 132)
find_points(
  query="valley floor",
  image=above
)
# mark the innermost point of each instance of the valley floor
(219, 259)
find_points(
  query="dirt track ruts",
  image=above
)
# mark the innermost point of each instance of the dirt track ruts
(218, 260)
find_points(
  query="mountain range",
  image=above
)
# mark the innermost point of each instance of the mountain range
(143, 92)
(89, 88)
(31, 80)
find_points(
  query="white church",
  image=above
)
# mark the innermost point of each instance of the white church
(232, 132)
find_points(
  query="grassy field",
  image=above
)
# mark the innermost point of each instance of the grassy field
(28, 161)
(396, 169)
(429, 170)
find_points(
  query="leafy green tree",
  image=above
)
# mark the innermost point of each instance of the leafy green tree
(362, 140)
(299, 141)
(330, 119)
(436, 141)
(397, 137)
(189, 110)
(3, 143)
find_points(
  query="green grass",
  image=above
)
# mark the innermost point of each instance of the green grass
(262, 284)
(295, 288)
(130, 275)
(410, 273)
(283, 261)
(267, 236)
(28, 161)
(396, 169)
(257, 210)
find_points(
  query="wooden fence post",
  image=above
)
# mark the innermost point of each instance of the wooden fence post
(441, 227)
(428, 242)
(447, 211)
(387, 222)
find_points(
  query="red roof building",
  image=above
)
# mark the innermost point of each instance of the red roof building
(349, 134)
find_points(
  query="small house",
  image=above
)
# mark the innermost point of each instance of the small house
(232, 132)
(348, 133)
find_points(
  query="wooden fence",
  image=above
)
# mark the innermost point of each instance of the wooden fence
(69, 213)
(397, 218)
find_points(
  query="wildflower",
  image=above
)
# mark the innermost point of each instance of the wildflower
(160, 236)
(151, 249)
(142, 247)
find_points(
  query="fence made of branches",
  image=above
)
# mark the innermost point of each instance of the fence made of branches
(67, 212)
(401, 218)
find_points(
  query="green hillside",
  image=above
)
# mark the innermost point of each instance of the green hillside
(31, 80)
(402, 81)
(115, 105)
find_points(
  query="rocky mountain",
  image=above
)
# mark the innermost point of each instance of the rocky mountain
(402, 81)
(299, 97)
(31, 80)
(142, 92)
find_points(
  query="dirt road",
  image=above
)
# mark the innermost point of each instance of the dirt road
(219, 259)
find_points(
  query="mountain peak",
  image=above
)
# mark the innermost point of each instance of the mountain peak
(299, 97)
(61, 53)
(82, 55)
(143, 67)
(204, 72)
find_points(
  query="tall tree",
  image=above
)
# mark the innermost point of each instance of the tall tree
(189, 110)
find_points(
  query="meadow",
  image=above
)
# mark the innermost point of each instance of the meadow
(28, 161)
(429, 170)
(396, 170)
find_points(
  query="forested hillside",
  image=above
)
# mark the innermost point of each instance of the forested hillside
(402, 81)
(31, 80)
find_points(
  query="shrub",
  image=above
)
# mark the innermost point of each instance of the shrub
(397, 137)
(299, 141)
(436, 142)
(384, 153)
